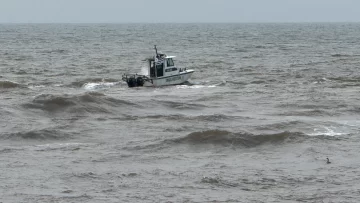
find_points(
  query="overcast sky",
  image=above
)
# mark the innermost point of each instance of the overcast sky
(180, 11)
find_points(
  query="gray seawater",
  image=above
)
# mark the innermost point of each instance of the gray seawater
(267, 105)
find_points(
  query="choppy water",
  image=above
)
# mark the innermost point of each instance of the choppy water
(267, 104)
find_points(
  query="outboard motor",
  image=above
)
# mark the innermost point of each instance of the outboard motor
(131, 82)
(140, 81)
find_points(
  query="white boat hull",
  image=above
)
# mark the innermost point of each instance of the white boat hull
(177, 79)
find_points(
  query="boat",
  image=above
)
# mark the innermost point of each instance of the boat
(162, 72)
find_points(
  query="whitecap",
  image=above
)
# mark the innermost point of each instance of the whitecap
(36, 86)
(59, 146)
(327, 132)
(101, 85)
(194, 86)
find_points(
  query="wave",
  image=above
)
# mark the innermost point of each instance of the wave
(346, 79)
(9, 84)
(237, 82)
(179, 117)
(213, 117)
(309, 63)
(211, 97)
(192, 86)
(313, 108)
(84, 82)
(180, 105)
(56, 51)
(21, 72)
(344, 55)
(100, 85)
(21, 58)
(90, 102)
(327, 131)
(240, 50)
(61, 146)
(312, 112)
(221, 137)
(43, 134)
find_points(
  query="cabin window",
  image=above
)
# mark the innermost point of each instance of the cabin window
(170, 69)
(170, 62)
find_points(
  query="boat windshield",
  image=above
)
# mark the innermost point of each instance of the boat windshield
(170, 62)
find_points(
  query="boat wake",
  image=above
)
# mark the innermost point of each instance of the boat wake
(100, 85)
(194, 86)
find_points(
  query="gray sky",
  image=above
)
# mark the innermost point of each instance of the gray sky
(180, 11)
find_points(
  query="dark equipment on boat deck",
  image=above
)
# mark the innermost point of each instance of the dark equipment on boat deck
(135, 80)
(140, 81)
(131, 82)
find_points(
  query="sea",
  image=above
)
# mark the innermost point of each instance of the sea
(268, 103)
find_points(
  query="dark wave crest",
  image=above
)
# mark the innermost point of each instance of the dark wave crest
(344, 55)
(55, 51)
(8, 84)
(51, 102)
(179, 117)
(348, 81)
(220, 137)
(223, 138)
(309, 112)
(43, 134)
(180, 105)
(90, 102)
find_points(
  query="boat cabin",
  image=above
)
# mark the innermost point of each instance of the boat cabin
(162, 66)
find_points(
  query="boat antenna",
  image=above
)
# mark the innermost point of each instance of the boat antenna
(156, 50)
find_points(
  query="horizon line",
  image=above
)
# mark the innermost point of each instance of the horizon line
(255, 22)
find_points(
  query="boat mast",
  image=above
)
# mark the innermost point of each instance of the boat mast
(155, 69)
